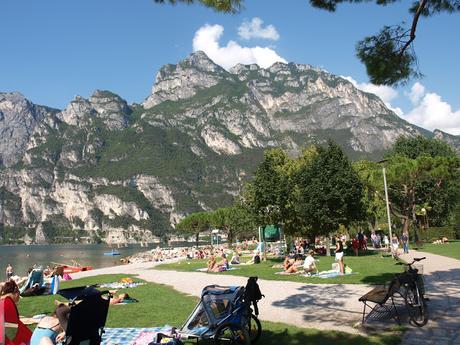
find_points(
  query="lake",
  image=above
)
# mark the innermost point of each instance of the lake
(21, 257)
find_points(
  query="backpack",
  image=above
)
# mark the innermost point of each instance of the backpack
(257, 259)
(253, 293)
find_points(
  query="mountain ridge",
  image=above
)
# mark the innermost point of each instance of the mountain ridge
(102, 169)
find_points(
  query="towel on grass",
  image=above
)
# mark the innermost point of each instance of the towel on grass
(282, 273)
(205, 269)
(327, 274)
(118, 285)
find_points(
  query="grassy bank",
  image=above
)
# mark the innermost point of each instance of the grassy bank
(371, 268)
(450, 249)
(160, 305)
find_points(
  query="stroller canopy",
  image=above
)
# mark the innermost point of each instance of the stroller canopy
(217, 302)
(80, 292)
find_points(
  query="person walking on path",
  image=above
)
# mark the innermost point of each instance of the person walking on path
(395, 245)
(9, 272)
(405, 242)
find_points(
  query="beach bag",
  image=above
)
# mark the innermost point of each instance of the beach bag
(348, 270)
(67, 276)
(335, 267)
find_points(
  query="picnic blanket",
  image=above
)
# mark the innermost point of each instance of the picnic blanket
(287, 274)
(327, 274)
(205, 269)
(119, 285)
(131, 336)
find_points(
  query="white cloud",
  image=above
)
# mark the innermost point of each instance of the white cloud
(386, 93)
(255, 29)
(416, 93)
(431, 112)
(207, 39)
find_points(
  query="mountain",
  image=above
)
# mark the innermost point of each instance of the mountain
(101, 169)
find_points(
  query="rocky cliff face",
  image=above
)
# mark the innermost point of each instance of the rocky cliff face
(103, 170)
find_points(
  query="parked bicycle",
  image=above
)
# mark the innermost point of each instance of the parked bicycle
(413, 293)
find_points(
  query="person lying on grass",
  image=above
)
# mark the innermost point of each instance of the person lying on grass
(295, 266)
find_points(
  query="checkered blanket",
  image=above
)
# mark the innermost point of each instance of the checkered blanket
(130, 336)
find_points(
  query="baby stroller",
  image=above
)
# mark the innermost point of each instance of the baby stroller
(224, 314)
(87, 315)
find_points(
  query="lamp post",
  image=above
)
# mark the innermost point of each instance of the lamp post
(387, 204)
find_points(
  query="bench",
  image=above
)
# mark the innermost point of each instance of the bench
(377, 299)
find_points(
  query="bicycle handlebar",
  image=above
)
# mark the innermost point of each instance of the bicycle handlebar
(417, 260)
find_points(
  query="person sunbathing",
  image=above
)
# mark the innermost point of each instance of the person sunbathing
(119, 299)
(51, 329)
(294, 267)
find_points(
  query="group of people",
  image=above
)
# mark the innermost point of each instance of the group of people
(50, 329)
(299, 265)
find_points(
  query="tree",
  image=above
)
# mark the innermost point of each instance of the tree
(234, 220)
(417, 183)
(195, 223)
(420, 146)
(423, 180)
(389, 55)
(330, 192)
(267, 196)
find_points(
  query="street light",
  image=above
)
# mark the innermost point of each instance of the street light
(387, 203)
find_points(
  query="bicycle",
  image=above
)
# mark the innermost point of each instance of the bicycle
(414, 293)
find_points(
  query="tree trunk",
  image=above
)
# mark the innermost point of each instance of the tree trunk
(328, 247)
(197, 239)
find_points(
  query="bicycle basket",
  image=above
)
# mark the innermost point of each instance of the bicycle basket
(417, 267)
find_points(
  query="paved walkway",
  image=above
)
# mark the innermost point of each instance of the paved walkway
(442, 280)
(328, 306)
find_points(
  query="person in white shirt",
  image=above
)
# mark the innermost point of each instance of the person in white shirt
(309, 264)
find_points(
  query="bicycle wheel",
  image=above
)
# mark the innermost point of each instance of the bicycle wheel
(254, 329)
(227, 334)
(416, 306)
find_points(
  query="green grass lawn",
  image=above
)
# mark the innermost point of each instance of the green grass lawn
(371, 268)
(450, 249)
(160, 305)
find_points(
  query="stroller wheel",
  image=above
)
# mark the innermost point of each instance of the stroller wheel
(227, 334)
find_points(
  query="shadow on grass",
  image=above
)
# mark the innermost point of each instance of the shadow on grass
(276, 334)
(300, 337)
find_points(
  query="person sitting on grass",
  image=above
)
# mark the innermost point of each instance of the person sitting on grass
(294, 267)
(10, 289)
(235, 258)
(255, 259)
(222, 265)
(287, 263)
(309, 265)
(119, 299)
(211, 265)
(51, 329)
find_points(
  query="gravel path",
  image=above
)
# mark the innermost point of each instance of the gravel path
(442, 280)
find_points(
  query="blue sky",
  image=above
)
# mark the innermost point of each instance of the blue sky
(53, 50)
